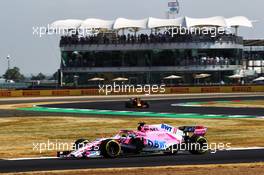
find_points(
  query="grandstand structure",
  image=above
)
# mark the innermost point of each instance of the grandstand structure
(147, 50)
(254, 54)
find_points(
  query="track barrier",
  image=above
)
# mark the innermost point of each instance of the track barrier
(96, 92)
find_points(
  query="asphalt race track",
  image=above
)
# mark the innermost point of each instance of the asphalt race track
(220, 157)
(164, 106)
(156, 105)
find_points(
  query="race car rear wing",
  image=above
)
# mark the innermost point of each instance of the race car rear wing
(196, 130)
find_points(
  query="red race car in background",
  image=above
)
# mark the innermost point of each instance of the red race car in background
(136, 103)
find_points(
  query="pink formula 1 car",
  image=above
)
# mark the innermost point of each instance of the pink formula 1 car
(160, 138)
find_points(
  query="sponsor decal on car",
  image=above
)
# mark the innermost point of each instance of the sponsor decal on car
(156, 144)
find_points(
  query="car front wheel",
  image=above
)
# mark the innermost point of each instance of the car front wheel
(110, 148)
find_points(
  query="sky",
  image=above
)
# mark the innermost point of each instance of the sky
(33, 54)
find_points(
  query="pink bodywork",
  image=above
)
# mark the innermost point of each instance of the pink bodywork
(155, 137)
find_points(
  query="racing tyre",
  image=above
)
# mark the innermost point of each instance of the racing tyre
(145, 105)
(198, 145)
(110, 148)
(80, 143)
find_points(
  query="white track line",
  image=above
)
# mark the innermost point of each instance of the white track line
(262, 117)
(103, 110)
(33, 158)
(241, 148)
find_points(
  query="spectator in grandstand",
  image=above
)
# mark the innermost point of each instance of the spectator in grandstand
(145, 38)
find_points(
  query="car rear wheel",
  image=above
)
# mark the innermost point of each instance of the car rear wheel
(110, 149)
(146, 105)
(199, 145)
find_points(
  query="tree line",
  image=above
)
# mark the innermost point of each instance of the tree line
(15, 75)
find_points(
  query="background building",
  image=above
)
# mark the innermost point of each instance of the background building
(254, 54)
(145, 51)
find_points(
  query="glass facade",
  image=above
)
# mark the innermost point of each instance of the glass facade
(255, 60)
(146, 58)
